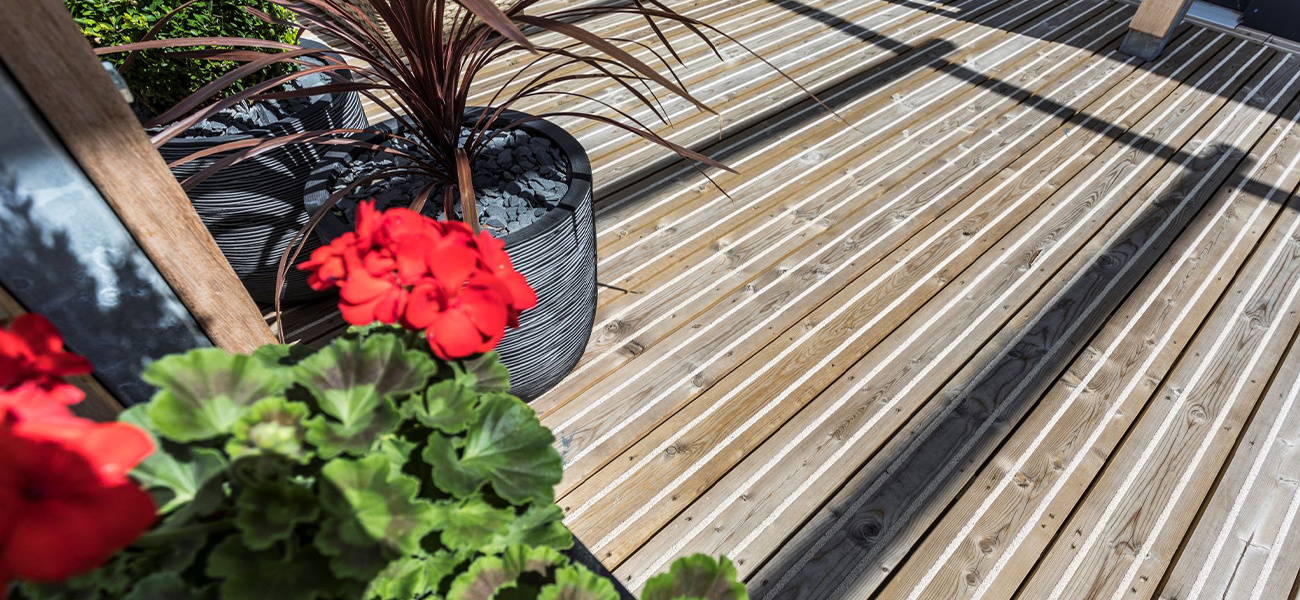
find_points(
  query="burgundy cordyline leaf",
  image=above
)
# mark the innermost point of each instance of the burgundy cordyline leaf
(425, 81)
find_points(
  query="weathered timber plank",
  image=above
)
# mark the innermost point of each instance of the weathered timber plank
(768, 204)
(1122, 536)
(991, 537)
(713, 424)
(621, 413)
(1244, 543)
(767, 496)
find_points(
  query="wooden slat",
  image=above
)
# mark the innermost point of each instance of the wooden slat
(1246, 544)
(768, 495)
(100, 132)
(770, 195)
(969, 552)
(616, 412)
(721, 410)
(1151, 488)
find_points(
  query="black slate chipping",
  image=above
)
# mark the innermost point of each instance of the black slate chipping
(518, 178)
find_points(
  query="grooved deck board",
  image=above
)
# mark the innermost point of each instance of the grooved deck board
(1020, 325)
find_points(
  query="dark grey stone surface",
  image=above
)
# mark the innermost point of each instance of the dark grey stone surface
(65, 254)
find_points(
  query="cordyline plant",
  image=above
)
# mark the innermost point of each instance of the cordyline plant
(424, 83)
(384, 466)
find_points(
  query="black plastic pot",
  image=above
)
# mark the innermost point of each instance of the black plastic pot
(556, 254)
(253, 208)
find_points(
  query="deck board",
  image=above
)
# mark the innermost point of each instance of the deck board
(1017, 322)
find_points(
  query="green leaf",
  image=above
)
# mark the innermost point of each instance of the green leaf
(350, 377)
(203, 392)
(696, 577)
(268, 513)
(413, 576)
(257, 575)
(539, 525)
(360, 561)
(172, 482)
(506, 446)
(274, 426)
(578, 583)
(375, 503)
(332, 438)
(397, 449)
(161, 586)
(472, 524)
(489, 375)
(282, 355)
(490, 574)
(446, 405)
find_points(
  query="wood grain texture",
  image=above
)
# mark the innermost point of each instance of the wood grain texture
(848, 422)
(972, 551)
(72, 91)
(1157, 18)
(1122, 536)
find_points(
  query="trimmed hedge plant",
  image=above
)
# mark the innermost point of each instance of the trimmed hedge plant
(159, 81)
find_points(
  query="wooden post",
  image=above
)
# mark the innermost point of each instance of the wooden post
(1152, 27)
(46, 54)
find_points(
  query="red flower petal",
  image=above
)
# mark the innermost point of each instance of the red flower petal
(67, 535)
(426, 302)
(453, 335)
(451, 264)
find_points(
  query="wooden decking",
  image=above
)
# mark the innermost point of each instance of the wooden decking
(1024, 330)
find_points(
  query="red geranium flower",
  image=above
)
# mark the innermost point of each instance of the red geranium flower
(31, 350)
(66, 503)
(399, 266)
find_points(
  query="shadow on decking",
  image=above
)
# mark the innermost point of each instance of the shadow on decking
(943, 451)
(934, 54)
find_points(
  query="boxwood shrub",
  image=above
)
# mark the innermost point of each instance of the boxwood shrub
(157, 81)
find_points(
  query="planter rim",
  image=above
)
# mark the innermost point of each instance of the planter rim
(321, 102)
(578, 178)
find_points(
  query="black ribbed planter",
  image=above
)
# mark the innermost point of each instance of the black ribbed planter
(556, 254)
(253, 208)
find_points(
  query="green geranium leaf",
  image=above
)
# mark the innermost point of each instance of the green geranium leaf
(274, 426)
(489, 375)
(333, 438)
(696, 577)
(282, 355)
(162, 586)
(413, 576)
(257, 575)
(539, 525)
(472, 524)
(446, 405)
(577, 583)
(359, 561)
(490, 574)
(350, 377)
(449, 475)
(172, 482)
(203, 392)
(506, 446)
(397, 449)
(376, 503)
(268, 513)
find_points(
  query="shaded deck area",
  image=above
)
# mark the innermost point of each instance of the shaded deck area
(1025, 329)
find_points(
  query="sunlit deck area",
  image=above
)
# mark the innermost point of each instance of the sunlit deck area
(1015, 321)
